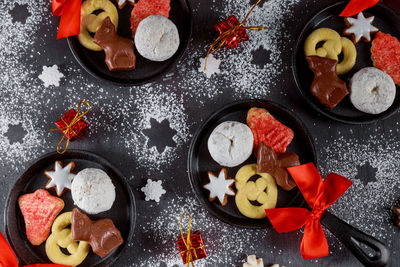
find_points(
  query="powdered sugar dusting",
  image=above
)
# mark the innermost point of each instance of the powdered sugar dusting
(161, 106)
(220, 239)
(120, 118)
(367, 207)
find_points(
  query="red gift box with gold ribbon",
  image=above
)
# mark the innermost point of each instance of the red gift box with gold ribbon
(196, 250)
(76, 130)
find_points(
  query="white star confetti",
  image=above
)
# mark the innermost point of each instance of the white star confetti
(153, 190)
(361, 27)
(212, 65)
(51, 76)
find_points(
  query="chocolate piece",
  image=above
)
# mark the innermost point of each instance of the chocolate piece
(119, 51)
(275, 164)
(326, 87)
(102, 235)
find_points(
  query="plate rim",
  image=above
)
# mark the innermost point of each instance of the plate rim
(297, 80)
(177, 57)
(79, 152)
(191, 177)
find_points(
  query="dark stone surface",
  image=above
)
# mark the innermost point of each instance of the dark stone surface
(285, 92)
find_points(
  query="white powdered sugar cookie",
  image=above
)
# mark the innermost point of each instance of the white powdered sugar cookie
(93, 191)
(360, 28)
(153, 190)
(372, 90)
(157, 38)
(61, 177)
(252, 261)
(219, 187)
(230, 143)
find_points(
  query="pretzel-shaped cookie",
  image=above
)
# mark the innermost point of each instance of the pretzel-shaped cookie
(91, 22)
(61, 237)
(263, 190)
(333, 45)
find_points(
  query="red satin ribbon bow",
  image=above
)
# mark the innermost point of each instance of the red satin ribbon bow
(70, 12)
(319, 195)
(8, 259)
(357, 6)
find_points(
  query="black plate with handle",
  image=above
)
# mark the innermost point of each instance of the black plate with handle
(386, 20)
(146, 70)
(122, 213)
(200, 162)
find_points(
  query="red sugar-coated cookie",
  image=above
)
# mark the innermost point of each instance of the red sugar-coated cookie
(386, 55)
(39, 209)
(145, 8)
(268, 130)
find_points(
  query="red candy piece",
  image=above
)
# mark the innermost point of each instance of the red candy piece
(239, 35)
(268, 130)
(386, 55)
(145, 8)
(357, 6)
(39, 209)
(77, 129)
(198, 251)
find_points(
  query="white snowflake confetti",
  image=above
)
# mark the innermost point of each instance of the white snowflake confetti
(51, 76)
(212, 65)
(252, 261)
(153, 190)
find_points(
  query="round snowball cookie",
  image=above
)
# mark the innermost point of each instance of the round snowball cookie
(372, 90)
(231, 143)
(157, 38)
(93, 191)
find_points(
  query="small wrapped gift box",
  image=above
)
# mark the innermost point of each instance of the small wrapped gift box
(70, 126)
(193, 250)
(237, 36)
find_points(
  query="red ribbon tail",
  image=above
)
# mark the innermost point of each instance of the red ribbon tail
(287, 219)
(314, 244)
(70, 12)
(356, 6)
(335, 185)
(7, 257)
(309, 182)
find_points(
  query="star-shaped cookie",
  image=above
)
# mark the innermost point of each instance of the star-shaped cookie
(122, 3)
(61, 177)
(360, 28)
(219, 187)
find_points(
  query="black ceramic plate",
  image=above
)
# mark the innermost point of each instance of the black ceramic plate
(386, 20)
(122, 213)
(146, 70)
(200, 161)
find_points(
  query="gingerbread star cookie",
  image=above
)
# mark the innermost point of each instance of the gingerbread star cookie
(61, 177)
(219, 187)
(360, 28)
